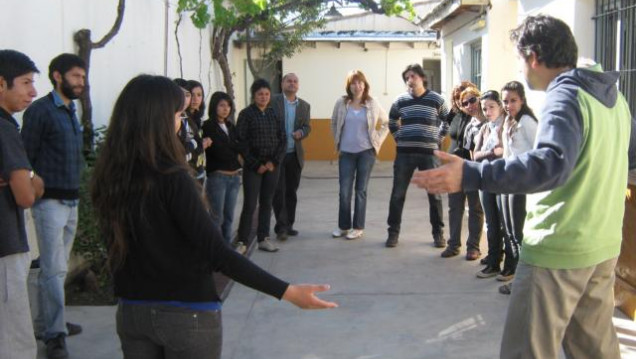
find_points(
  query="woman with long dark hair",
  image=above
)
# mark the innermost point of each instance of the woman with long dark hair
(489, 146)
(194, 113)
(519, 131)
(162, 245)
(224, 162)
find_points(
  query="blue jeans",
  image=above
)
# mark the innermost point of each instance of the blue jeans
(222, 191)
(403, 168)
(156, 331)
(350, 165)
(55, 226)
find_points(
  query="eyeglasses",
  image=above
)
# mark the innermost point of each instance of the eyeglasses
(470, 101)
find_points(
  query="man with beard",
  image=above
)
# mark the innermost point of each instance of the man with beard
(417, 122)
(52, 138)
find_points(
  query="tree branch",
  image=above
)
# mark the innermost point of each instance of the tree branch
(115, 29)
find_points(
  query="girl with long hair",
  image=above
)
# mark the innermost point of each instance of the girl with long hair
(224, 162)
(359, 126)
(194, 113)
(519, 131)
(162, 245)
(489, 146)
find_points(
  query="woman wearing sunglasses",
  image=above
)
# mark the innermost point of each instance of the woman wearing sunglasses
(457, 201)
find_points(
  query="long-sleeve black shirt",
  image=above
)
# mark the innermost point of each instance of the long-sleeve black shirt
(262, 136)
(173, 248)
(223, 153)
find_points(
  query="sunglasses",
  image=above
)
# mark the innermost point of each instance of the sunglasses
(470, 101)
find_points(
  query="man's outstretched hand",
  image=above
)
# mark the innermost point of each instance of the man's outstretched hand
(445, 179)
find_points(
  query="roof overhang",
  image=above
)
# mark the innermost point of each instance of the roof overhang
(385, 38)
(447, 10)
(371, 36)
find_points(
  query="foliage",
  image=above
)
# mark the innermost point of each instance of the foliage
(276, 27)
(89, 243)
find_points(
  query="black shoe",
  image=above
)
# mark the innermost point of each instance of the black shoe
(484, 260)
(281, 236)
(439, 241)
(488, 272)
(392, 241)
(450, 252)
(506, 289)
(73, 329)
(292, 232)
(56, 348)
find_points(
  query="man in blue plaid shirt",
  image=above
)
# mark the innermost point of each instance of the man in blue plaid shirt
(52, 138)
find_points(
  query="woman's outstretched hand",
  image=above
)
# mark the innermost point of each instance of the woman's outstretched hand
(304, 296)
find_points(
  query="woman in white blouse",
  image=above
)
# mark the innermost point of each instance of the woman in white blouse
(520, 128)
(359, 126)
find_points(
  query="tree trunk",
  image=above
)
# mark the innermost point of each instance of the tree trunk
(220, 48)
(85, 45)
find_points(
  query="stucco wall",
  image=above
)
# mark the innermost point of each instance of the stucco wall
(499, 62)
(44, 29)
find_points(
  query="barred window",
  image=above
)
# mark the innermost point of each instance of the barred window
(614, 44)
(475, 63)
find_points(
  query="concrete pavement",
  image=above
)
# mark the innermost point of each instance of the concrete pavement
(400, 303)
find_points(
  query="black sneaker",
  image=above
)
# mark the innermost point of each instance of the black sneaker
(506, 289)
(488, 272)
(73, 329)
(292, 232)
(439, 241)
(450, 252)
(281, 236)
(56, 348)
(392, 241)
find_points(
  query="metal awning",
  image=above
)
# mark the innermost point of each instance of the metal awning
(447, 10)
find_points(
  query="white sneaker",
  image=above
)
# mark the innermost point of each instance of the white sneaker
(339, 233)
(355, 234)
(267, 246)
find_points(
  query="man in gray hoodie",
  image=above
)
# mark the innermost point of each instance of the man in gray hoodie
(576, 176)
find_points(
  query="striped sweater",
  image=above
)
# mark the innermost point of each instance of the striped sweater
(417, 123)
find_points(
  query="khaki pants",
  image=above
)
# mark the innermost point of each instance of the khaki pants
(16, 331)
(569, 307)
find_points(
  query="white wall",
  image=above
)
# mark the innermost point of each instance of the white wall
(322, 71)
(577, 14)
(44, 29)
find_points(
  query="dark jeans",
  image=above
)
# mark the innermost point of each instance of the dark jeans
(285, 198)
(456, 203)
(514, 216)
(403, 168)
(491, 203)
(222, 191)
(257, 188)
(350, 165)
(152, 331)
